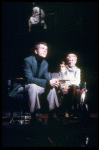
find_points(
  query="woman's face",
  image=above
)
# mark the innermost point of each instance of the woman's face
(71, 62)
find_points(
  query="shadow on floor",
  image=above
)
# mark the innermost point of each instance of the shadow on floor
(64, 132)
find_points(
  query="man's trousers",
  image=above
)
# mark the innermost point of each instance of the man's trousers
(34, 91)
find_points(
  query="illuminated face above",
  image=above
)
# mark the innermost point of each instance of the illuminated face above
(42, 51)
(71, 62)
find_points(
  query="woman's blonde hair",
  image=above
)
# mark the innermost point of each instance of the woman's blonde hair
(71, 55)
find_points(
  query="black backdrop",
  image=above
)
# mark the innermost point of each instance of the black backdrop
(72, 28)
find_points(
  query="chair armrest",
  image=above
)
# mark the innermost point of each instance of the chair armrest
(15, 80)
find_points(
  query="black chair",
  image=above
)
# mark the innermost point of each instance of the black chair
(19, 102)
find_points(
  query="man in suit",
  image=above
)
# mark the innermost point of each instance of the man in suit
(37, 80)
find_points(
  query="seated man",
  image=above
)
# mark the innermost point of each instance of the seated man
(37, 80)
(69, 88)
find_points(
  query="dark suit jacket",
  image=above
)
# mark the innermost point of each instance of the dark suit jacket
(29, 69)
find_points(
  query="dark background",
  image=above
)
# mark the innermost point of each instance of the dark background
(72, 28)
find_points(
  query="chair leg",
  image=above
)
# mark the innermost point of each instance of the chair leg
(11, 120)
(11, 117)
(21, 113)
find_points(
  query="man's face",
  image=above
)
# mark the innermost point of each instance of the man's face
(62, 67)
(71, 62)
(42, 51)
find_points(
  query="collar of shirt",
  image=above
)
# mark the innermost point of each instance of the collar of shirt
(71, 69)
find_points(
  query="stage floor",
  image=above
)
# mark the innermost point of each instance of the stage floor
(61, 132)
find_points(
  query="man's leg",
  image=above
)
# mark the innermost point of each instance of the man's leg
(53, 102)
(52, 99)
(33, 92)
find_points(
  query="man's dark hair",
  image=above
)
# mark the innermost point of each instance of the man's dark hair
(37, 45)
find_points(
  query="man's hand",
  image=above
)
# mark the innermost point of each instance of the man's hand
(54, 82)
(57, 83)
